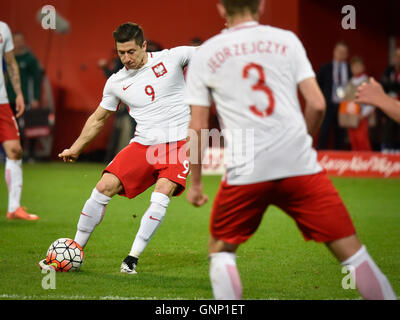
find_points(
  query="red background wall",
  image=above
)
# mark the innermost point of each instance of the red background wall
(321, 27)
(71, 59)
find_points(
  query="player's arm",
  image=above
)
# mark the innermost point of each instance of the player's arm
(13, 74)
(372, 93)
(94, 124)
(199, 121)
(184, 54)
(315, 104)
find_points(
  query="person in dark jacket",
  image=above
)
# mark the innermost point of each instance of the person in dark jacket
(332, 77)
(30, 73)
(31, 80)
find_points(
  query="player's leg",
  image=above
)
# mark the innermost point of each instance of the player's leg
(321, 215)
(93, 210)
(10, 138)
(224, 275)
(13, 175)
(154, 215)
(236, 214)
(150, 222)
(369, 279)
(171, 169)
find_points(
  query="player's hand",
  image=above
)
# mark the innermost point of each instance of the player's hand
(68, 155)
(195, 196)
(19, 105)
(370, 93)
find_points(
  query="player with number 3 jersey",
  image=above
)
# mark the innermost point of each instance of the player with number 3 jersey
(253, 73)
(151, 86)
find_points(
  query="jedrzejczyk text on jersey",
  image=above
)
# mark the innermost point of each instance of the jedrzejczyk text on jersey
(244, 48)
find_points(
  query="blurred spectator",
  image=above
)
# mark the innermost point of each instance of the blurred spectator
(332, 78)
(361, 116)
(153, 46)
(112, 65)
(213, 122)
(30, 72)
(31, 75)
(195, 42)
(391, 84)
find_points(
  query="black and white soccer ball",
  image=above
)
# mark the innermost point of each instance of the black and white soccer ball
(65, 255)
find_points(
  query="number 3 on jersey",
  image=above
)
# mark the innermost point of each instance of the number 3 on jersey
(260, 86)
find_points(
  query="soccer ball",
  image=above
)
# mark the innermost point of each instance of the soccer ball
(65, 255)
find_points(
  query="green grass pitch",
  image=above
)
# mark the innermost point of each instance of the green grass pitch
(276, 263)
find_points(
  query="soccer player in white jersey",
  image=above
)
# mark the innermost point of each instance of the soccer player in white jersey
(253, 73)
(9, 133)
(151, 85)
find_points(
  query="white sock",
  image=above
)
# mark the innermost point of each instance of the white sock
(13, 175)
(370, 281)
(224, 276)
(150, 222)
(92, 214)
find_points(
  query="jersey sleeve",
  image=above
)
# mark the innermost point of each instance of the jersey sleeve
(302, 66)
(8, 42)
(109, 100)
(184, 54)
(197, 89)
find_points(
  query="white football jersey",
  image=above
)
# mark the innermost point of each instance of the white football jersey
(252, 72)
(6, 45)
(154, 96)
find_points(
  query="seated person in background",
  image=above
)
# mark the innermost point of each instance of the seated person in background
(153, 46)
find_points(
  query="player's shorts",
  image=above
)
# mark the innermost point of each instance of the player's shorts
(311, 200)
(8, 124)
(138, 167)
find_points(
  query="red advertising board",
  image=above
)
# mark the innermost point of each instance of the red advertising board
(360, 164)
(336, 163)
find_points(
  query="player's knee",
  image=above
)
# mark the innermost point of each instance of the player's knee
(109, 185)
(165, 186)
(102, 187)
(14, 152)
(215, 245)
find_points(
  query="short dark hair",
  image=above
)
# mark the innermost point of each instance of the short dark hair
(342, 43)
(234, 7)
(356, 59)
(127, 32)
(18, 33)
